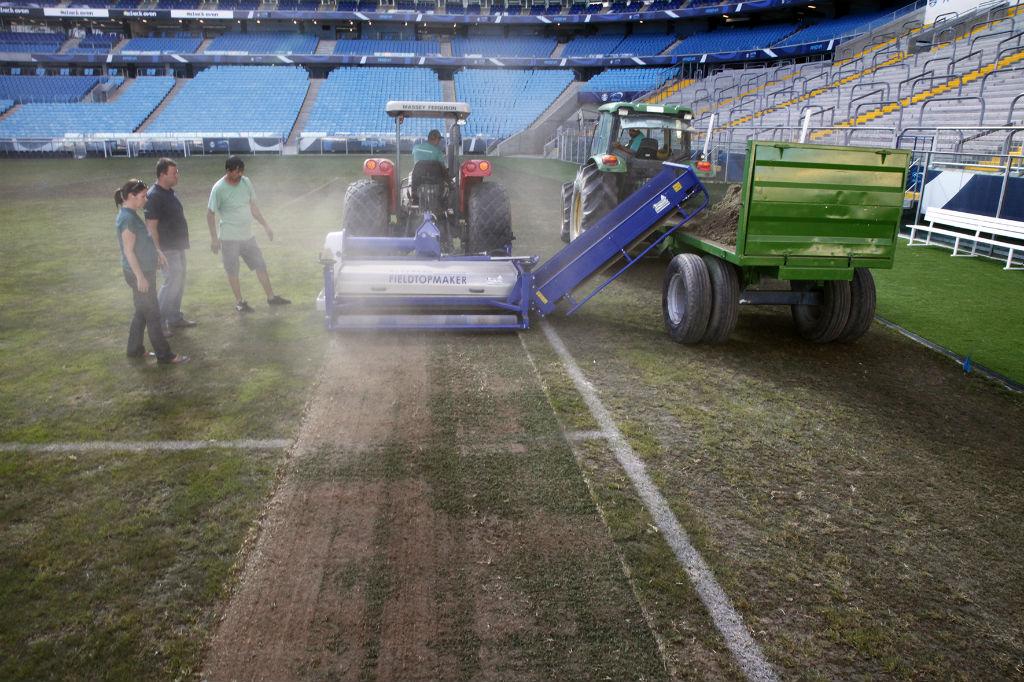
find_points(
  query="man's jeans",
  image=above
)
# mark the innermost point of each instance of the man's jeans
(173, 287)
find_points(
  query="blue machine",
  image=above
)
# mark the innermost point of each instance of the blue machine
(405, 283)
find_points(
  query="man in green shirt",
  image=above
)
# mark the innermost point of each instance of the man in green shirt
(430, 150)
(234, 200)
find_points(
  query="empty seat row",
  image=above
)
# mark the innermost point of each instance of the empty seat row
(123, 115)
(371, 46)
(629, 80)
(498, 46)
(351, 101)
(277, 42)
(609, 45)
(23, 89)
(506, 101)
(176, 45)
(237, 99)
(23, 41)
(734, 39)
(833, 28)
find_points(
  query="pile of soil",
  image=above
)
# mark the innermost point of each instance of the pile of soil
(718, 222)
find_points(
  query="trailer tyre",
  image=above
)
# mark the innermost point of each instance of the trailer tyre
(488, 218)
(725, 299)
(594, 194)
(686, 298)
(823, 323)
(566, 210)
(366, 208)
(862, 306)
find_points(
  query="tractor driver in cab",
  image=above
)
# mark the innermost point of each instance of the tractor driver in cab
(636, 137)
(429, 161)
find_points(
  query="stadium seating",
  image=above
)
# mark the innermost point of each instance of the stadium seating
(17, 41)
(592, 46)
(123, 115)
(734, 39)
(370, 46)
(496, 46)
(237, 99)
(351, 101)
(5, 104)
(179, 45)
(629, 80)
(507, 101)
(644, 44)
(835, 28)
(97, 43)
(306, 6)
(23, 89)
(264, 43)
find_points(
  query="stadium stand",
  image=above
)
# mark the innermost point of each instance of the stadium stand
(97, 43)
(506, 101)
(307, 6)
(178, 45)
(834, 28)
(734, 39)
(488, 46)
(126, 113)
(5, 104)
(236, 99)
(24, 89)
(591, 46)
(264, 43)
(644, 44)
(337, 112)
(629, 80)
(372, 46)
(18, 41)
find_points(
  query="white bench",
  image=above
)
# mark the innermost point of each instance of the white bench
(979, 229)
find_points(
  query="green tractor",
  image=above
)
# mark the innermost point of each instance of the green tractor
(630, 143)
(464, 207)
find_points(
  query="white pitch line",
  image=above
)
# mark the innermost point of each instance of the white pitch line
(148, 445)
(729, 623)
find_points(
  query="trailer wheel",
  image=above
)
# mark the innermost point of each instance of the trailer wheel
(488, 218)
(594, 195)
(725, 299)
(366, 208)
(686, 298)
(862, 306)
(566, 210)
(823, 323)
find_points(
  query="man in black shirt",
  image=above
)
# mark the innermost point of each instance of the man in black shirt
(165, 221)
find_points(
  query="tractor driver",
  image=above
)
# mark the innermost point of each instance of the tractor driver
(428, 162)
(636, 136)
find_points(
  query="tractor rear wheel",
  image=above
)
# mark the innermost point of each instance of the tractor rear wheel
(686, 298)
(366, 208)
(595, 193)
(823, 323)
(862, 306)
(566, 210)
(488, 218)
(725, 299)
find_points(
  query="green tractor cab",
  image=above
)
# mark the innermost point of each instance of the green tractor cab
(388, 203)
(631, 142)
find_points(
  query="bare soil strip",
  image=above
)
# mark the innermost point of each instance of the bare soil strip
(148, 446)
(729, 623)
(432, 524)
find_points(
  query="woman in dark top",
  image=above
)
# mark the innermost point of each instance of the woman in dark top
(139, 260)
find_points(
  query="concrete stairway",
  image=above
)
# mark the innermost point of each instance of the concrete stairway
(559, 49)
(203, 45)
(179, 83)
(69, 44)
(448, 91)
(300, 120)
(326, 46)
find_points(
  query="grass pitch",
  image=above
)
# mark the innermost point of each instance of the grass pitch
(856, 502)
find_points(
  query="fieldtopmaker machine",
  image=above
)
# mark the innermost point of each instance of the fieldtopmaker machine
(408, 283)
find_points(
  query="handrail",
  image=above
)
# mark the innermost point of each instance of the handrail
(920, 114)
(881, 84)
(988, 35)
(937, 59)
(999, 46)
(952, 71)
(1013, 105)
(876, 105)
(820, 110)
(915, 80)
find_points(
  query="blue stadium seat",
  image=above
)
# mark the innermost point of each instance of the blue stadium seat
(506, 101)
(527, 46)
(177, 45)
(125, 114)
(629, 80)
(369, 46)
(18, 41)
(5, 104)
(65, 88)
(644, 44)
(278, 42)
(592, 46)
(237, 99)
(734, 39)
(834, 28)
(97, 43)
(336, 113)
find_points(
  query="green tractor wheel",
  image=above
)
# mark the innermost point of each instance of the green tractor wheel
(595, 193)
(366, 208)
(488, 218)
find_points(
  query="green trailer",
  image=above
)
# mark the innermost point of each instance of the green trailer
(814, 216)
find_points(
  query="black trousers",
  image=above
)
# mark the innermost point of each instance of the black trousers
(146, 317)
